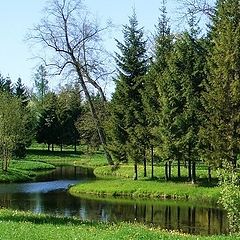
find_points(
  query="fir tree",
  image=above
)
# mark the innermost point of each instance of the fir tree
(126, 106)
(163, 50)
(150, 94)
(21, 92)
(222, 97)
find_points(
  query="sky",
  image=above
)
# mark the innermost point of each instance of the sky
(19, 16)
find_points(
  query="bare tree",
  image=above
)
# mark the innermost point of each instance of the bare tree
(205, 7)
(73, 43)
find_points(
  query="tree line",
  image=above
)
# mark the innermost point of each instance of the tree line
(182, 102)
(54, 118)
(176, 104)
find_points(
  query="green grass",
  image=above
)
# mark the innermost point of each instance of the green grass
(146, 189)
(125, 171)
(67, 158)
(23, 171)
(21, 226)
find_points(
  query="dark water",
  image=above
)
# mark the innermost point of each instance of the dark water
(51, 197)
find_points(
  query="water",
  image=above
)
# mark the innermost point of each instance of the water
(51, 196)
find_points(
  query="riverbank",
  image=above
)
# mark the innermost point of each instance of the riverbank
(24, 225)
(24, 171)
(112, 183)
(146, 189)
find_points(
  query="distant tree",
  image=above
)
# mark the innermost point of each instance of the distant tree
(86, 127)
(21, 92)
(12, 127)
(126, 104)
(69, 109)
(48, 128)
(6, 84)
(198, 7)
(41, 82)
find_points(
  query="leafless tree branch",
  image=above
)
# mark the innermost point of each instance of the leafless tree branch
(74, 43)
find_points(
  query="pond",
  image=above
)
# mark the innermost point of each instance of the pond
(49, 195)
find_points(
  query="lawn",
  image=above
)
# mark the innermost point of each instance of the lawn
(147, 189)
(23, 225)
(24, 171)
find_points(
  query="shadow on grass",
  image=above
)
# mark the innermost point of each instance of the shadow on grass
(203, 182)
(53, 153)
(19, 217)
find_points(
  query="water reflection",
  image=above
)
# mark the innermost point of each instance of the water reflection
(52, 197)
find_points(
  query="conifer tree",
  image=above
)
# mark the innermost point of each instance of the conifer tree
(163, 49)
(21, 92)
(126, 106)
(222, 98)
(190, 66)
(48, 128)
(150, 94)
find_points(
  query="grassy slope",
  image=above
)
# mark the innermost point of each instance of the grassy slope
(67, 158)
(126, 171)
(20, 171)
(22, 226)
(146, 189)
(119, 183)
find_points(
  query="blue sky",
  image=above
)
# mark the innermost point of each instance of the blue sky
(18, 16)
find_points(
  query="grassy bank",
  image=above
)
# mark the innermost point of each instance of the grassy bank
(146, 189)
(23, 171)
(22, 226)
(67, 158)
(126, 171)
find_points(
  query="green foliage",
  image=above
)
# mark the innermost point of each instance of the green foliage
(230, 196)
(87, 127)
(220, 132)
(127, 123)
(21, 92)
(48, 124)
(69, 109)
(13, 120)
(6, 84)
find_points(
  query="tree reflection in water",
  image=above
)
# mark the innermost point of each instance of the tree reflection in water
(51, 197)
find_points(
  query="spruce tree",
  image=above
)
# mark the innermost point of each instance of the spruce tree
(150, 94)
(180, 89)
(222, 98)
(163, 49)
(21, 92)
(126, 107)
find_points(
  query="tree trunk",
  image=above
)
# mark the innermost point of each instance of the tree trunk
(189, 170)
(52, 147)
(152, 162)
(135, 172)
(101, 133)
(144, 162)
(193, 172)
(48, 147)
(61, 147)
(209, 175)
(75, 144)
(166, 171)
(179, 168)
(170, 170)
